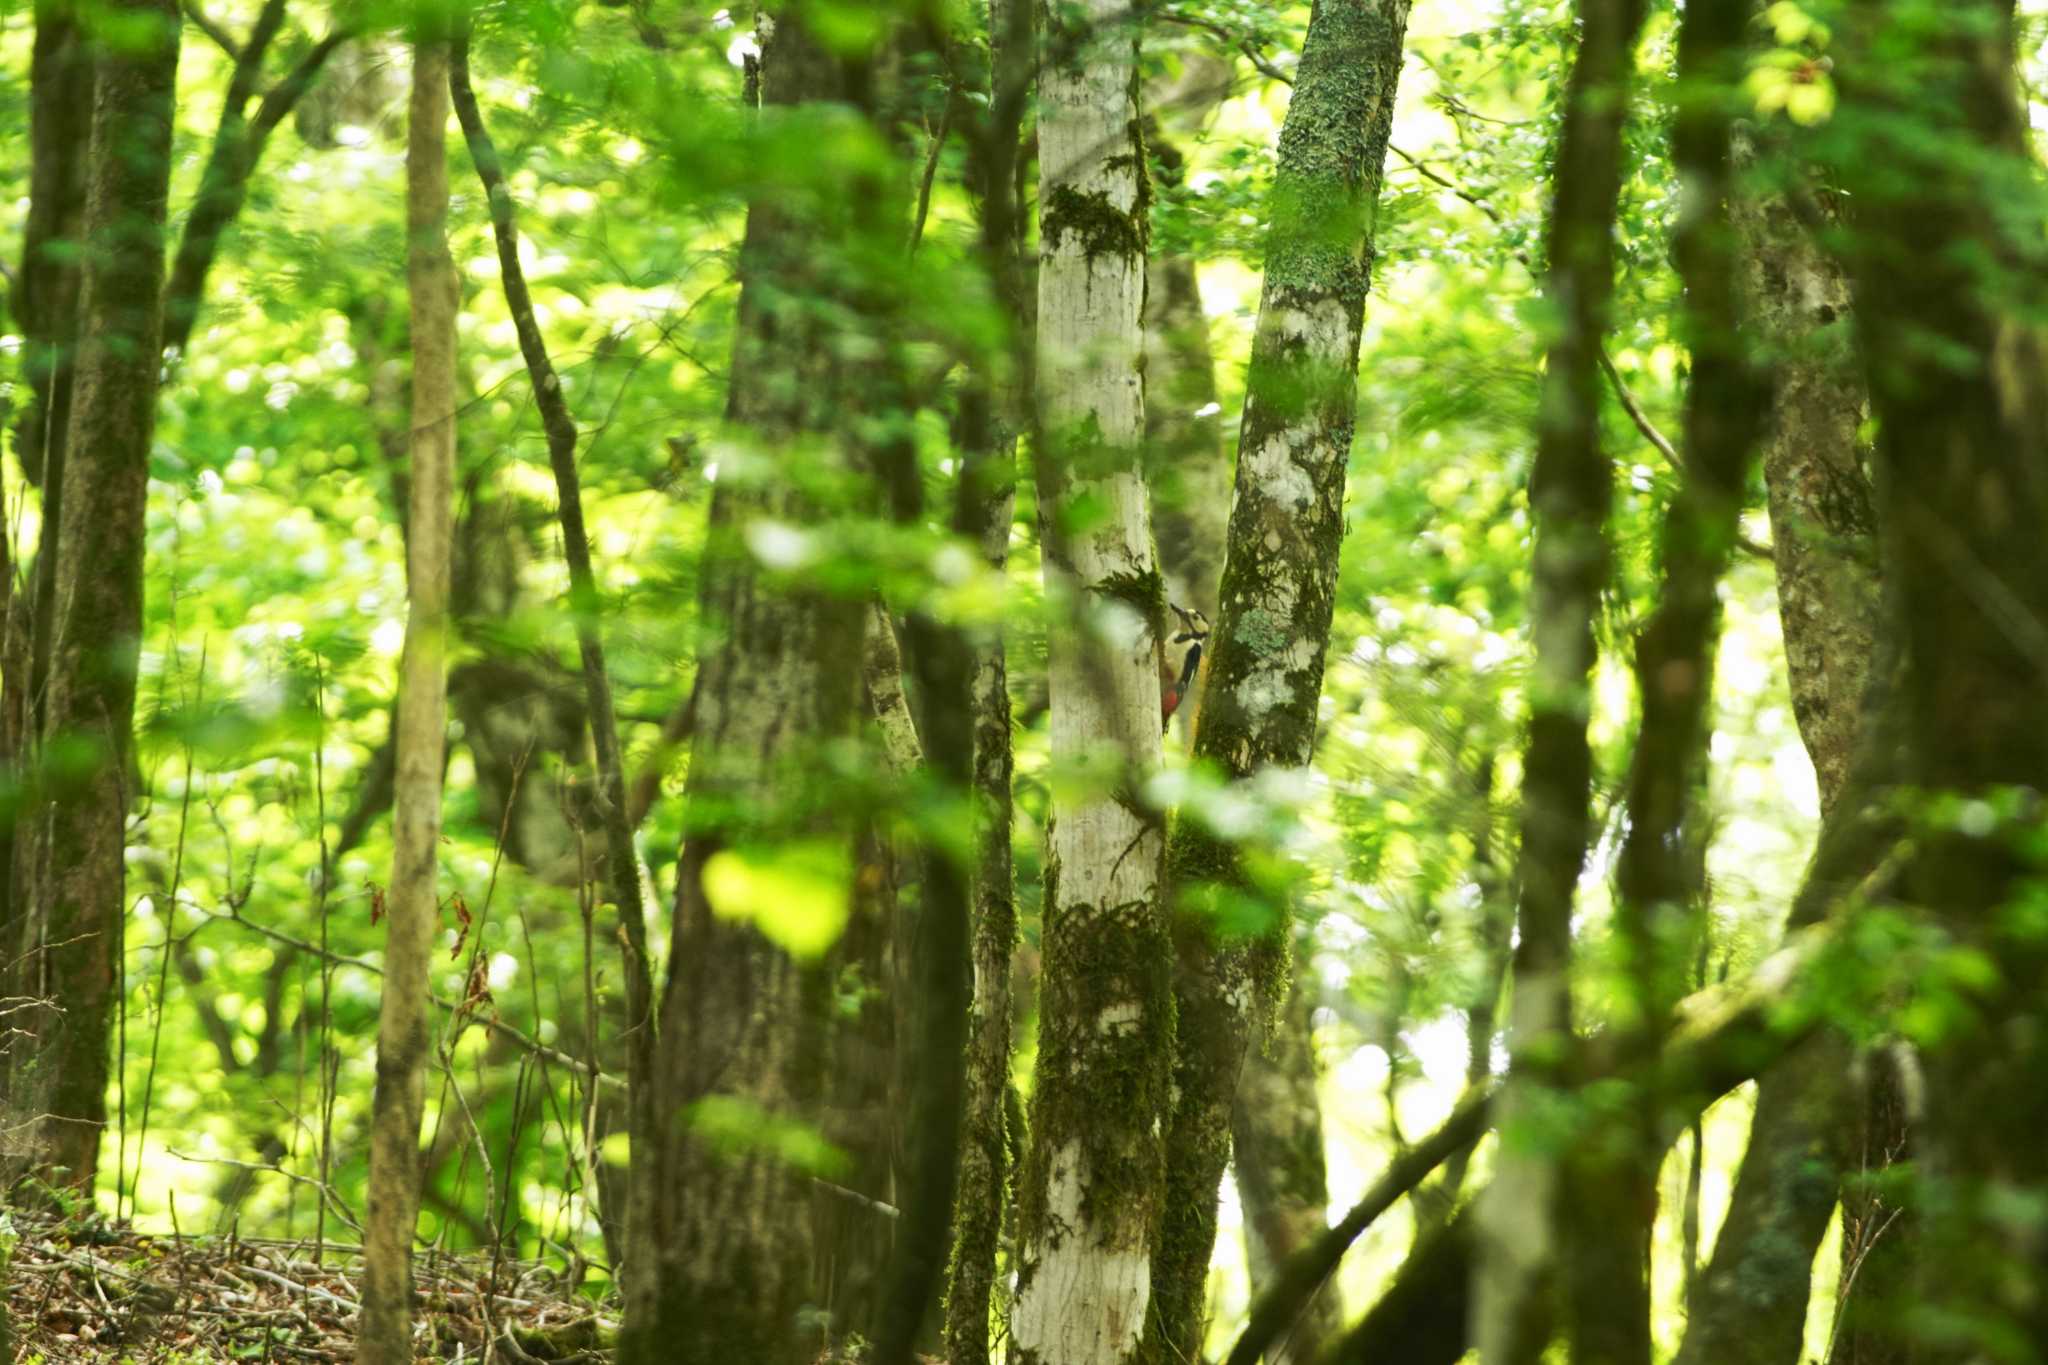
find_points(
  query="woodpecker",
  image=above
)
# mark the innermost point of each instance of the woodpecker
(1175, 686)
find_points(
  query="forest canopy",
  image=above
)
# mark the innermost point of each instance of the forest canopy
(1081, 683)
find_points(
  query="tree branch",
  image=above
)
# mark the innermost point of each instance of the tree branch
(1251, 50)
(1305, 1272)
(237, 148)
(1658, 439)
(221, 37)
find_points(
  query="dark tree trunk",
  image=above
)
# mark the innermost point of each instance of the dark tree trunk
(1945, 258)
(1661, 922)
(993, 415)
(96, 563)
(46, 300)
(741, 1019)
(45, 305)
(623, 888)
(1569, 493)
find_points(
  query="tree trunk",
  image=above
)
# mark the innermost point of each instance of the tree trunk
(1660, 919)
(1279, 584)
(46, 301)
(1569, 494)
(994, 413)
(1277, 1120)
(412, 904)
(1090, 1190)
(986, 1139)
(728, 1269)
(45, 304)
(1276, 1129)
(1751, 1300)
(1944, 258)
(96, 558)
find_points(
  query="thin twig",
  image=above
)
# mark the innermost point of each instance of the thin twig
(931, 171)
(1244, 44)
(496, 1025)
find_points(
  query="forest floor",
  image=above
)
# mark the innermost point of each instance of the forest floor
(101, 1294)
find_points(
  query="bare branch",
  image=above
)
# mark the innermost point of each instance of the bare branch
(220, 36)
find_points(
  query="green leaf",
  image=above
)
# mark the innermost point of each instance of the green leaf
(733, 1126)
(795, 894)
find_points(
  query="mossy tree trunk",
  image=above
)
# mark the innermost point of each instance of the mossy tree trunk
(728, 1270)
(992, 418)
(74, 919)
(1569, 493)
(1945, 259)
(1751, 1300)
(986, 1136)
(1278, 588)
(45, 306)
(1277, 1119)
(1090, 1189)
(412, 901)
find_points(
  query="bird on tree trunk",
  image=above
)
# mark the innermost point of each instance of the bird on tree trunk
(1176, 683)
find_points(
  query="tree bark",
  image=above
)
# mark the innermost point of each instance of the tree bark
(1277, 1119)
(1661, 919)
(1751, 1301)
(1093, 1176)
(1278, 588)
(412, 903)
(741, 1018)
(1276, 1131)
(45, 305)
(994, 413)
(46, 300)
(95, 558)
(1569, 494)
(1948, 217)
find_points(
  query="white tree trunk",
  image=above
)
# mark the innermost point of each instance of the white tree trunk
(411, 903)
(1094, 1176)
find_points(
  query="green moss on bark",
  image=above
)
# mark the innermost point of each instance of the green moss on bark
(1102, 228)
(1107, 963)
